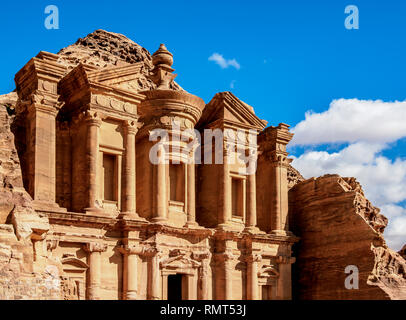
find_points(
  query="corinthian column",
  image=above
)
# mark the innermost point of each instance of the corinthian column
(224, 275)
(130, 274)
(252, 276)
(225, 214)
(203, 287)
(129, 192)
(154, 273)
(191, 195)
(161, 194)
(228, 276)
(93, 286)
(93, 123)
(251, 221)
(280, 193)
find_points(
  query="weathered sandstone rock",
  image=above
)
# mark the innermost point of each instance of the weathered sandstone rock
(339, 227)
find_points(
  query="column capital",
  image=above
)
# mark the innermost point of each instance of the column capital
(43, 103)
(278, 158)
(131, 249)
(131, 126)
(95, 247)
(224, 256)
(253, 258)
(285, 260)
(202, 255)
(149, 251)
(92, 118)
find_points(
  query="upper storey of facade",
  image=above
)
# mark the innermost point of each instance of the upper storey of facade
(90, 116)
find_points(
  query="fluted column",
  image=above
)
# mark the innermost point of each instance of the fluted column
(93, 123)
(225, 216)
(129, 179)
(251, 221)
(191, 195)
(224, 275)
(203, 275)
(284, 283)
(161, 194)
(154, 273)
(130, 273)
(280, 194)
(252, 276)
(93, 286)
(228, 276)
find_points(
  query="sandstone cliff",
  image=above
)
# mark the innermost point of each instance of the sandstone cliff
(339, 227)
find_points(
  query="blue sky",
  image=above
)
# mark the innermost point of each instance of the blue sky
(294, 56)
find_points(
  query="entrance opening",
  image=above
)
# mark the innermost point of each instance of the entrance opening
(175, 287)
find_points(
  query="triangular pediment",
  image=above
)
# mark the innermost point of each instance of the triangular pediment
(131, 78)
(227, 109)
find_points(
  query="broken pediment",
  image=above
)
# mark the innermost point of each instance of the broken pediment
(268, 271)
(180, 262)
(225, 109)
(85, 85)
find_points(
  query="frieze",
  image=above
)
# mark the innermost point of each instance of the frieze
(114, 104)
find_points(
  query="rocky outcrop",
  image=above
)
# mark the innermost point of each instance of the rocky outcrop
(294, 177)
(103, 49)
(402, 252)
(338, 228)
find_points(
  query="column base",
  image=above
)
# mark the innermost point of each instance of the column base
(131, 295)
(161, 220)
(254, 230)
(130, 216)
(93, 210)
(192, 225)
(281, 233)
(41, 205)
(225, 227)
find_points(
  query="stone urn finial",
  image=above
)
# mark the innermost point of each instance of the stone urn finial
(162, 57)
(162, 74)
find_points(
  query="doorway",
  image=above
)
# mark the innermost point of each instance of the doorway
(175, 287)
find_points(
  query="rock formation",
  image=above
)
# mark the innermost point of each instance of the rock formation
(339, 227)
(108, 50)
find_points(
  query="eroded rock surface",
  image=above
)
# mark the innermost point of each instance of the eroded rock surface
(339, 227)
(294, 177)
(103, 49)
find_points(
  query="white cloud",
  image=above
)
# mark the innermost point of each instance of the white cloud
(224, 63)
(351, 120)
(232, 84)
(368, 127)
